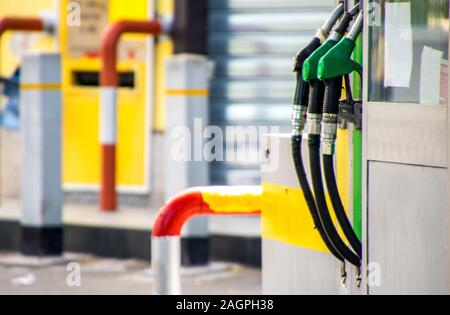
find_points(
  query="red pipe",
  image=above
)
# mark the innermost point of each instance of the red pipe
(109, 82)
(110, 42)
(20, 24)
(174, 215)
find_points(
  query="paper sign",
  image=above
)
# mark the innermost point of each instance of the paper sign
(398, 45)
(430, 76)
(86, 39)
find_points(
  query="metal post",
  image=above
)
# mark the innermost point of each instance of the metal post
(187, 115)
(108, 101)
(42, 196)
(166, 259)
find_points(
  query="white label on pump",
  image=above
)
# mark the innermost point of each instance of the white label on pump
(398, 60)
(430, 76)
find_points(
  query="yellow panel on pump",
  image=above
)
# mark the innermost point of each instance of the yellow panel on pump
(80, 48)
(285, 214)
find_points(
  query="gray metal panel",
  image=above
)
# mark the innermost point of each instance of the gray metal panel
(291, 270)
(407, 133)
(253, 43)
(407, 228)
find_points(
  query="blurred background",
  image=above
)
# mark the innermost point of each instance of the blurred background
(250, 43)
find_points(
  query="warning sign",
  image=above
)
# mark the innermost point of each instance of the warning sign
(85, 39)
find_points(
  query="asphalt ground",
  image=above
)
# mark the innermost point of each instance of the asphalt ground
(87, 275)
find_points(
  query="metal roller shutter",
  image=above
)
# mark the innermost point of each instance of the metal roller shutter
(252, 43)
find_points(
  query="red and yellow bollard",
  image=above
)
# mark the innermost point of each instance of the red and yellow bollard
(204, 201)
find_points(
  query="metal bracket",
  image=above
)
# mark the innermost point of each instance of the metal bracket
(352, 112)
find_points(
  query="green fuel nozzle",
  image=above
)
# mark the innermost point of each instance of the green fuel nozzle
(310, 65)
(338, 62)
(333, 66)
(300, 104)
(321, 35)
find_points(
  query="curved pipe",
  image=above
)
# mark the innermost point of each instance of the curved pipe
(109, 80)
(208, 201)
(110, 41)
(21, 24)
(29, 24)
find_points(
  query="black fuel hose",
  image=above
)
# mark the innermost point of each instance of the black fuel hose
(315, 112)
(324, 213)
(330, 178)
(333, 92)
(307, 193)
(316, 101)
(302, 97)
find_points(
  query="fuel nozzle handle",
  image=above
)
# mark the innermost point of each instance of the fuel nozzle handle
(347, 18)
(301, 96)
(356, 28)
(338, 61)
(332, 68)
(333, 93)
(333, 18)
(310, 65)
(320, 37)
(302, 89)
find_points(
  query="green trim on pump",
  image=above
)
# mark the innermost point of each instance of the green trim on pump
(357, 182)
(357, 148)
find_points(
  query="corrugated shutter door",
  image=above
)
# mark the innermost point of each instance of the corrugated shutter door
(252, 43)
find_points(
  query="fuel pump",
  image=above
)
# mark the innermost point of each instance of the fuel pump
(299, 120)
(335, 65)
(315, 111)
